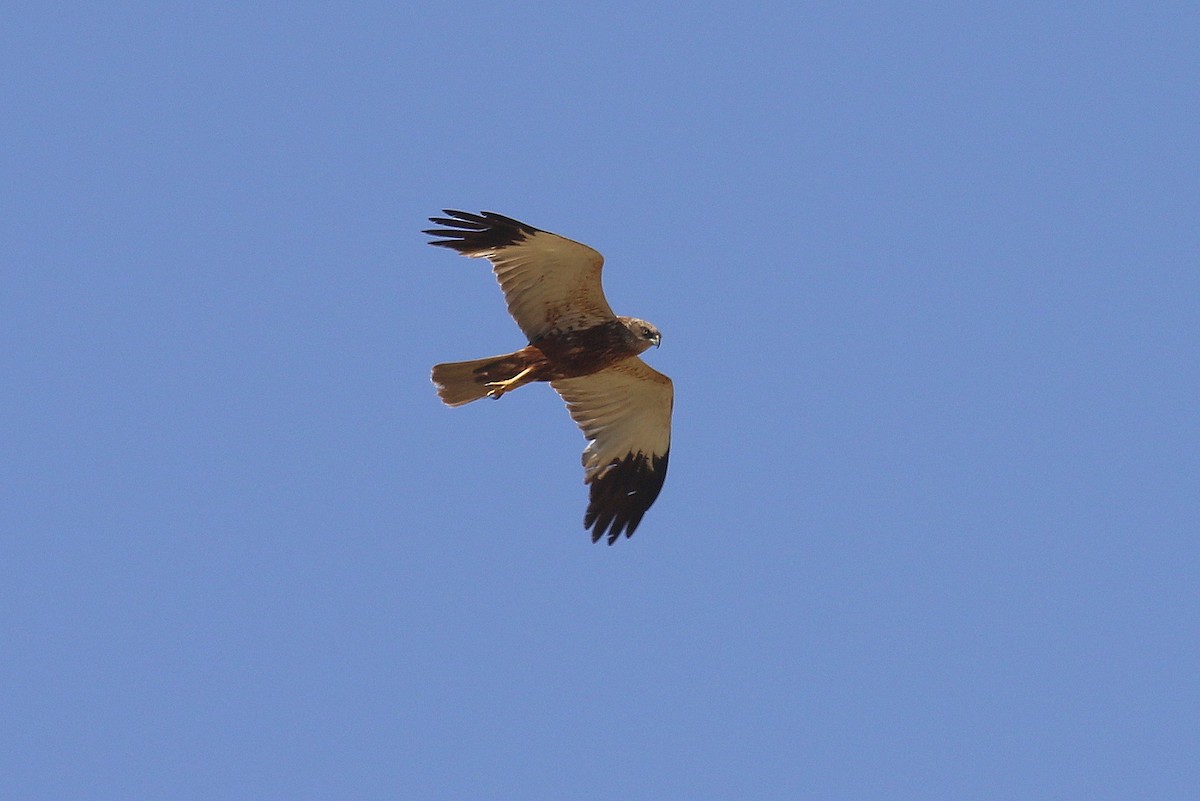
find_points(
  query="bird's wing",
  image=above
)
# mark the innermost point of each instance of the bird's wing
(549, 282)
(625, 413)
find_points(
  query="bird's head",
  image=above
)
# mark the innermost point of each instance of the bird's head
(644, 334)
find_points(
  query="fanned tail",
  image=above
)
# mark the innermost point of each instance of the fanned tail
(462, 382)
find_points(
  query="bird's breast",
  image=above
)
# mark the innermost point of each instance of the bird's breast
(586, 351)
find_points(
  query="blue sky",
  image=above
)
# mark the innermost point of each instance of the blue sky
(927, 281)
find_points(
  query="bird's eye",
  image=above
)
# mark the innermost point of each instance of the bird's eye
(646, 333)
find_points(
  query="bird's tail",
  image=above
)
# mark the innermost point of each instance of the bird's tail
(462, 382)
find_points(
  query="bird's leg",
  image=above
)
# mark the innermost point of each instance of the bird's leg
(498, 388)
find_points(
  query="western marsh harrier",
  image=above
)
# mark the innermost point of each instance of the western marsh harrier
(587, 353)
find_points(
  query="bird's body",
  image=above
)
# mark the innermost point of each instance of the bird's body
(556, 355)
(588, 354)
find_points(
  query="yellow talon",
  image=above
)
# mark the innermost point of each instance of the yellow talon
(498, 388)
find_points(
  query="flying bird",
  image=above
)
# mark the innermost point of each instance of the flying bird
(589, 355)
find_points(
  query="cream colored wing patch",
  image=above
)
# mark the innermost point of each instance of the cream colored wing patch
(625, 414)
(549, 282)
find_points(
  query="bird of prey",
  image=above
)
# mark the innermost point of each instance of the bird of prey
(589, 355)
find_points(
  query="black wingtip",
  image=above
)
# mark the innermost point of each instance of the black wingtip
(470, 233)
(620, 497)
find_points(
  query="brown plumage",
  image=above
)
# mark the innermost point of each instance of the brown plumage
(587, 353)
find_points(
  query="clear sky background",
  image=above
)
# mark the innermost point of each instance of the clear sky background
(927, 280)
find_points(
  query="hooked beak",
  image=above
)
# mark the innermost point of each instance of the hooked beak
(657, 340)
